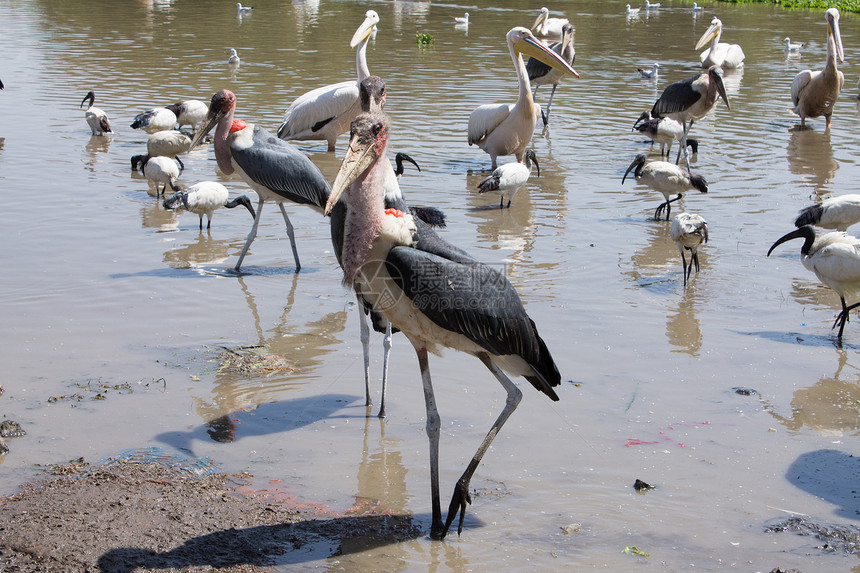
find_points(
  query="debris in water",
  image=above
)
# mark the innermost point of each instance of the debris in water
(641, 487)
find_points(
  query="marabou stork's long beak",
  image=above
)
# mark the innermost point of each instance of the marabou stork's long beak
(715, 29)
(716, 73)
(365, 30)
(531, 46)
(833, 28)
(806, 233)
(212, 118)
(360, 155)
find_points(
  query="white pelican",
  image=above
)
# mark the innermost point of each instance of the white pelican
(96, 118)
(509, 178)
(189, 112)
(464, 19)
(651, 5)
(506, 129)
(326, 112)
(727, 56)
(838, 213)
(666, 178)
(204, 198)
(234, 61)
(168, 143)
(242, 10)
(541, 74)
(651, 74)
(835, 259)
(691, 99)
(276, 170)
(156, 119)
(792, 46)
(814, 93)
(546, 26)
(436, 300)
(632, 11)
(161, 171)
(689, 231)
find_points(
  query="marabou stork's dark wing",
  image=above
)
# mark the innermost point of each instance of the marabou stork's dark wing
(676, 97)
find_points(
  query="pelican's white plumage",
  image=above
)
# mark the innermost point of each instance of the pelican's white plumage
(727, 56)
(506, 129)
(689, 231)
(814, 93)
(548, 27)
(326, 112)
(509, 178)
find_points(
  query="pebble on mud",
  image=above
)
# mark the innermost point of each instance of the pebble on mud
(572, 529)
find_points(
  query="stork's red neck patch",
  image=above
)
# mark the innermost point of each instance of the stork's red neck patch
(394, 212)
(238, 125)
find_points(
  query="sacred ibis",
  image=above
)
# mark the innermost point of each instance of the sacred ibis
(689, 231)
(96, 118)
(509, 178)
(666, 178)
(204, 198)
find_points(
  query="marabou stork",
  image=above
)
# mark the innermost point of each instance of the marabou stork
(155, 119)
(96, 118)
(727, 56)
(545, 26)
(651, 74)
(663, 130)
(276, 170)
(435, 300)
(506, 129)
(814, 93)
(162, 171)
(325, 113)
(792, 46)
(689, 231)
(509, 178)
(204, 198)
(189, 112)
(666, 178)
(838, 213)
(835, 259)
(541, 74)
(690, 100)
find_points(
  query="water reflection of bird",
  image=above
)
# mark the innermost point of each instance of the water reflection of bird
(666, 178)
(506, 129)
(814, 94)
(689, 231)
(205, 198)
(434, 300)
(326, 112)
(96, 118)
(810, 155)
(835, 259)
(728, 56)
(541, 74)
(682, 328)
(509, 178)
(691, 99)
(276, 170)
(545, 26)
(838, 213)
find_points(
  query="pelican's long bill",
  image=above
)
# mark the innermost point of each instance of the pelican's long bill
(531, 46)
(371, 18)
(714, 30)
(540, 19)
(833, 29)
(359, 157)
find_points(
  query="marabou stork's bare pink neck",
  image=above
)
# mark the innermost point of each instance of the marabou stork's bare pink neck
(222, 150)
(364, 217)
(361, 62)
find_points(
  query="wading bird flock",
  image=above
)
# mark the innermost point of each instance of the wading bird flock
(405, 276)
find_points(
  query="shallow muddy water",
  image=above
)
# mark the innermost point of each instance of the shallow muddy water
(106, 295)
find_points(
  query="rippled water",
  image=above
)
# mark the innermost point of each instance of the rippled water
(106, 294)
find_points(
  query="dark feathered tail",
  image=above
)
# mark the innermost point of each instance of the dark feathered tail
(430, 215)
(809, 216)
(547, 372)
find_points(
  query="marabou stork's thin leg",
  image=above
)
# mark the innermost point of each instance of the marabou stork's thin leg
(251, 235)
(437, 528)
(292, 236)
(386, 352)
(684, 147)
(548, 104)
(461, 490)
(364, 336)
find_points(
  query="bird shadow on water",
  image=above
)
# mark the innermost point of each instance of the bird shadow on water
(202, 271)
(831, 475)
(803, 338)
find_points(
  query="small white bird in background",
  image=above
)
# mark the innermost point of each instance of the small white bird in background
(697, 8)
(632, 11)
(792, 47)
(835, 259)
(689, 231)
(666, 178)
(204, 198)
(649, 74)
(233, 61)
(509, 178)
(162, 171)
(838, 213)
(96, 118)
(243, 10)
(651, 6)
(545, 26)
(464, 19)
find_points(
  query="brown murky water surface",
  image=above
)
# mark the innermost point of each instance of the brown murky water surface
(106, 295)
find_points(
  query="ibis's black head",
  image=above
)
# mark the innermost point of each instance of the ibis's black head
(637, 164)
(699, 182)
(399, 158)
(371, 91)
(531, 157)
(646, 115)
(139, 161)
(91, 96)
(693, 144)
(805, 232)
